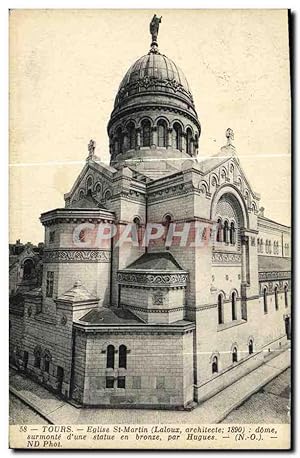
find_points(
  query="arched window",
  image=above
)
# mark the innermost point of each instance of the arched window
(47, 359)
(220, 309)
(167, 222)
(123, 356)
(234, 355)
(146, 133)
(247, 198)
(233, 306)
(37, 357)
(286, 301)
(120, 137)
(131, 135)
(81, 194)
(265, 301)
(225, 232)
(250, 346)
(98, 188)
(270, 247)
(261, 245)
(276, 297)
(49, 283)
(138, 227)
(214, 366)
(189, 140)
(177, 133)
(219, 237)
(137, 221)
(162, 133)
(196, 143)
(89, 184)
(28, 269)
(110, 357)
(232, 234)
(82, 235)
(274, 248)
(107, 195)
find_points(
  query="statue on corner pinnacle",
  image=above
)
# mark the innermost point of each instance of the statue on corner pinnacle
(229, 148)
(91, 150)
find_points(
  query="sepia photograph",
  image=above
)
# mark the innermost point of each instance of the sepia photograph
(150, 280)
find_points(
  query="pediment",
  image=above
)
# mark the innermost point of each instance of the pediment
(219, 170)
(93, 185)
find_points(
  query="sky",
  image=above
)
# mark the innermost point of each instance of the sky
(65, 69)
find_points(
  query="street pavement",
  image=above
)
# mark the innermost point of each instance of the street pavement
(20, 413)
(214, 410)
(272, 402)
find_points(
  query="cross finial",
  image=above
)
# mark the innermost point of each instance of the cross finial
(230, 136)
(91, 148)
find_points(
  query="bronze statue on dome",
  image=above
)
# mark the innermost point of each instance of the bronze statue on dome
(154, 27)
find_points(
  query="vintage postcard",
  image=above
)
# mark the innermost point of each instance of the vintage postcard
(150, 229)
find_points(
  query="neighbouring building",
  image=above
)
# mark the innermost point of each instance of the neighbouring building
(162, 326)
(25, 274)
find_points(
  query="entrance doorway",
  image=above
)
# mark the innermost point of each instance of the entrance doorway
(25, 360)
(60, 378)
(287, 323)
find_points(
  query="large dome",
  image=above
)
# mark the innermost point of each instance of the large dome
(154, 72)
(154, 118)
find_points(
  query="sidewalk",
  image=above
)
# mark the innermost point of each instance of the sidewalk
(214, 410)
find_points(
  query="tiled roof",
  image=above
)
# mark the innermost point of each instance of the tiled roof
(273, 263)
(110, 316)
(88, 201)
(157, 67)
(77, 294)
(156, 261)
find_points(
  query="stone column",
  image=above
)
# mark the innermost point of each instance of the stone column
(183, 142)
(125, 141)
(169, 137)
(154, 137)
(138, 138)
(244, 242)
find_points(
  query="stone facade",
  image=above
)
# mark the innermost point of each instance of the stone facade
(168, 324)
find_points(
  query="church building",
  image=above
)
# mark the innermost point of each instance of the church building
(171, 317)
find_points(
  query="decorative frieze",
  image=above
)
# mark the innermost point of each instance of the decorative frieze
(76, 255)
(154, 310)
(159, 298)
(153, 280)
(226, 258)
(274, 275)
(152, 83)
